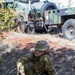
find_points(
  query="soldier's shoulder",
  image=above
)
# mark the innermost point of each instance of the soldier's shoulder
(26, 56)
(30, 54)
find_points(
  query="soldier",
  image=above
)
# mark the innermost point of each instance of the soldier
(37, 62)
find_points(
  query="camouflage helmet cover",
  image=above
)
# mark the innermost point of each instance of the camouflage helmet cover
(42, 46)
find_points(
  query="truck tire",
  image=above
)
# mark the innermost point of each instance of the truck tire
(68, 29)
(47, 6)
(31, 28)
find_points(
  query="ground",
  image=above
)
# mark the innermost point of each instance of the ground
(16, 45)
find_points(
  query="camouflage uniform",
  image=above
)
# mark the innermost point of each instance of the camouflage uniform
(33, 65)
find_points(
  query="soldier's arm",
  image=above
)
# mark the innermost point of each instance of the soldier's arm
(49, 66)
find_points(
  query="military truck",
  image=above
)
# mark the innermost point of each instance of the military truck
(32, 14)
(46, 16)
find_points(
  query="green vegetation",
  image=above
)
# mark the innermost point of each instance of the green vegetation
(6, 19)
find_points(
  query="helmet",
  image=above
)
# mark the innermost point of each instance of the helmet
(42, 46)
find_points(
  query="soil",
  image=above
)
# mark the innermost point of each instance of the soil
(14, 45)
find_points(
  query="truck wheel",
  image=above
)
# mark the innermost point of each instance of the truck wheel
(68, 29)
(31, 28)
(47, 6)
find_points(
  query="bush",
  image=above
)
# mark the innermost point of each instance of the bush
(6, 19)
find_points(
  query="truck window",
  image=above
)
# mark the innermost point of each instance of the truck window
(10, 5)
(7, 4)
(35, 0)
(26, 1)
